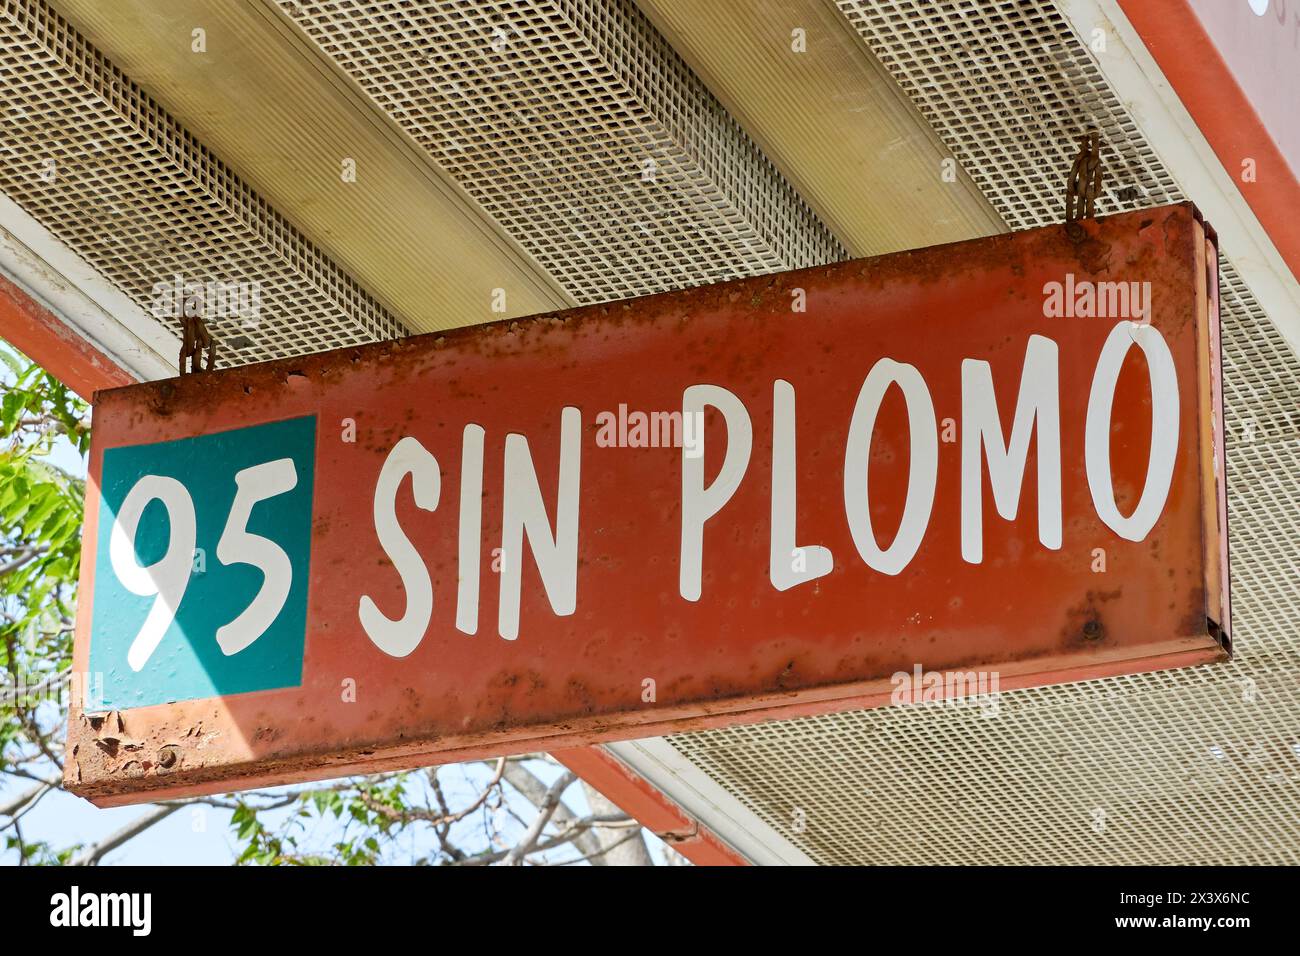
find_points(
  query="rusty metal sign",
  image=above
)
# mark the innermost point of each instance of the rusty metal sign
(917, 479)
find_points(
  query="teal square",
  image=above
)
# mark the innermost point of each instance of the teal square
(188, 663)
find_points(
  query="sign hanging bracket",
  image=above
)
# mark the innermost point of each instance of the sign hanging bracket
(1084, 183)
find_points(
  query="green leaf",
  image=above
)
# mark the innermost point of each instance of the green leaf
(15, 364)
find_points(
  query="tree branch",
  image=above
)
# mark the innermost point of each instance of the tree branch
(94, 853)
(552, 800)
(530, 786)
(9, 809)
(630, 852)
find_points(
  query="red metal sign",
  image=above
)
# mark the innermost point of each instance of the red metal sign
(931, 475)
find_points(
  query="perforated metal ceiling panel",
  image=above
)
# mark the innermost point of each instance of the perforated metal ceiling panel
(1185, 766)
(578, 129)
(85, 152)
(793, 75)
